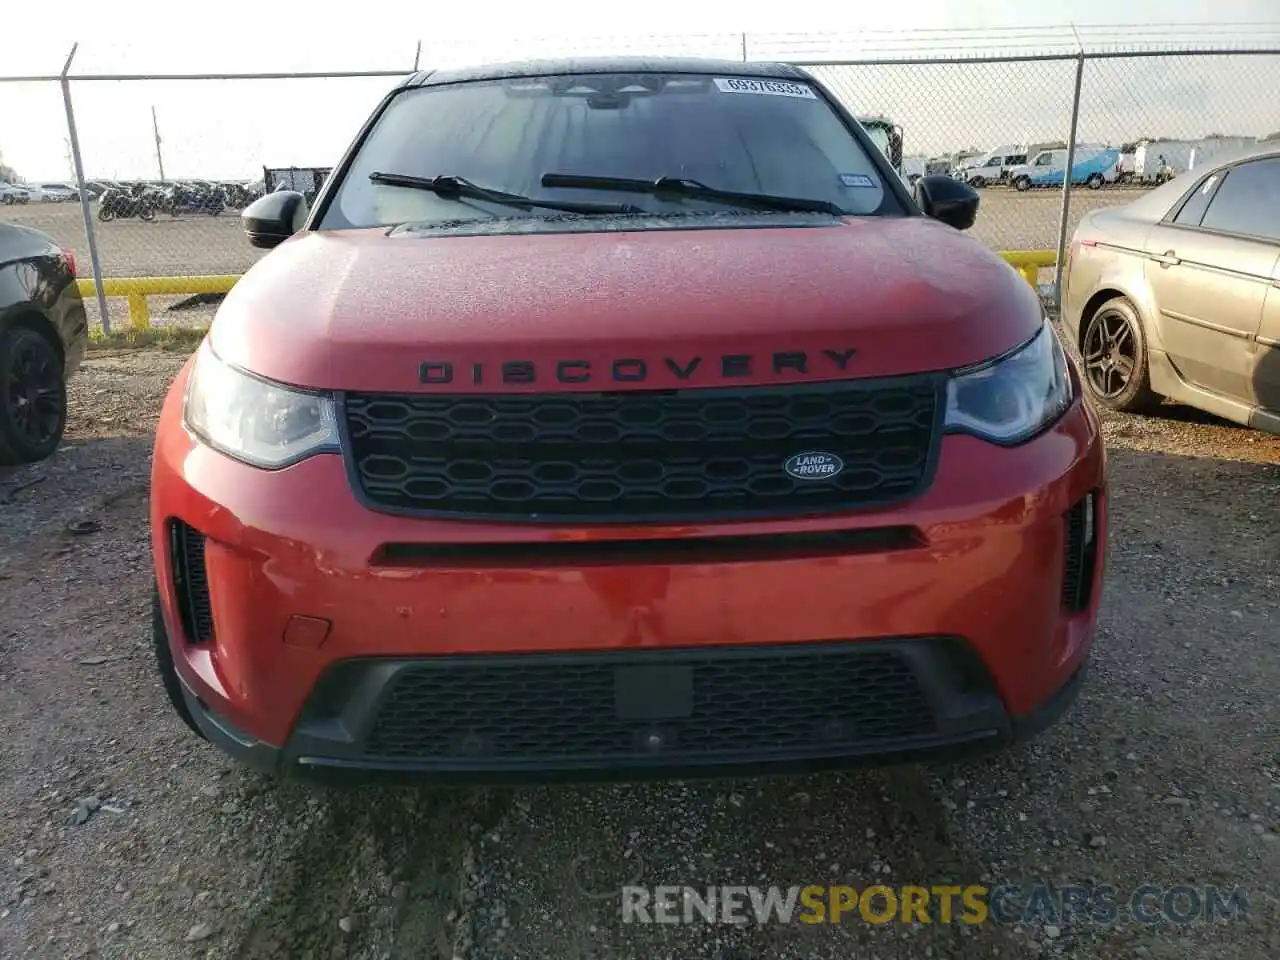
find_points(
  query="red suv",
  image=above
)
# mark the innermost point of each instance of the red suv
(621, 417)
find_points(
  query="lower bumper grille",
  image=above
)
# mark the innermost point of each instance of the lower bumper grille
(682, 705)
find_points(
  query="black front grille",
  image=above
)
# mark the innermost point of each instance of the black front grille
(191, 581)
(642, 455)
(810, 700)
(1081, 552)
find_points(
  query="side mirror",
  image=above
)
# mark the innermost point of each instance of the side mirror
(274, 218)
(953, 202)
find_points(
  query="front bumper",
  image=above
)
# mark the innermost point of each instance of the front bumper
(334, 740)
(964, 587)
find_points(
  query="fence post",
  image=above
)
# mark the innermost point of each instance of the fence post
(1066, 184)
(84, 195)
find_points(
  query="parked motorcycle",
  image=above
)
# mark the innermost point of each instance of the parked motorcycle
(236, 194)
(184, 198)
(118, 203)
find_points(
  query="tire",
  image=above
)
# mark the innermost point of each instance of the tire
(977, 183)
(147, 213)
(33, 396)
(164, 664)
(1094, 182)
(1135, 395)
(1022, 184)
(106, 215)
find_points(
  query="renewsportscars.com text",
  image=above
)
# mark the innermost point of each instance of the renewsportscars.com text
(972, 904)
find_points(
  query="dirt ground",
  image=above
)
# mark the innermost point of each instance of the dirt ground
(121, 836)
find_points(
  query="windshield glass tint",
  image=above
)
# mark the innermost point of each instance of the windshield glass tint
(739, 134)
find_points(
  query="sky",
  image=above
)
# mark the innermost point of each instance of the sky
(232, 128)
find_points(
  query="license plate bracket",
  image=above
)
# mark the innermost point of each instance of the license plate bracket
(653, 692)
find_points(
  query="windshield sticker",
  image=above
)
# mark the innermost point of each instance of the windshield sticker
(772, 88)
(856, 180)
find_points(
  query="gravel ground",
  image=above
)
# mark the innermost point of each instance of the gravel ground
(195, 245)
(123, 837)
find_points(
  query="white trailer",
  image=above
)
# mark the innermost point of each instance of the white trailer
(1155, 161)
(1210, 149)
(1124, 172)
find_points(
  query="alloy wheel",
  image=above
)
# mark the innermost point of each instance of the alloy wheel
(1110, 353)
(34, 385)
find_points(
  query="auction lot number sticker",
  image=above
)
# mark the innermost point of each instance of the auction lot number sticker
(772, 88)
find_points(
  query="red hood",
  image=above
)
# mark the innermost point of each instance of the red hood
(361, 310)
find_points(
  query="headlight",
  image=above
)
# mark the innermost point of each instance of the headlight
(262, 423)
(1011, 399)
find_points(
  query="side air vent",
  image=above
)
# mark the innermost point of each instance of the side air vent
(1081, 553)
(191, 581)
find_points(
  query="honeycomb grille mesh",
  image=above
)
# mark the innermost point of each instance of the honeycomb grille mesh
(773, 701)
(644, 454)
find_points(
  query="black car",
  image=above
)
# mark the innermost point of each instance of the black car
(43, 335)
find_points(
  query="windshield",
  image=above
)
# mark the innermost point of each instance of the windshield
(730, 134)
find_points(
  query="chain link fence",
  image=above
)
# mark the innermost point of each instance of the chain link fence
(34, 111)
(951, 114)
(169, 160)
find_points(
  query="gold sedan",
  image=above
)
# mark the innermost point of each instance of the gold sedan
(1177, 294)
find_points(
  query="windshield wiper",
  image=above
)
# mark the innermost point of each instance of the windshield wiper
(452, 188)
(691, 189)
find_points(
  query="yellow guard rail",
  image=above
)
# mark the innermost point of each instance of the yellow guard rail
(137, 289)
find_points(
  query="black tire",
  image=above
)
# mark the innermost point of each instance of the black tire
(1115, 331)
(977, 183)
(33, 396)
(147, 213)
(1022, 184)
(164, 664)
(106, 215)
(1094, 182)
